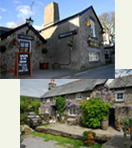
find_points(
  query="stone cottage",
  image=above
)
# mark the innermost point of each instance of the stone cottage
(22, 38)
(77, 41)
(74, 92)
(122, 103)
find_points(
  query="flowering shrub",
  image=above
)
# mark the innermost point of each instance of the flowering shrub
(104, 93)
(94, 111)
(70, 103)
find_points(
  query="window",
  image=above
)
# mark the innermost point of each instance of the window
(48, 100)
(78, 96)
(43, 100)
(93, 56)
(25, 46)
(119, 96)
(92, 28)
(72, 111)
(46, 110)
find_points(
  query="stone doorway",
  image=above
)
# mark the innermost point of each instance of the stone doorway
(112, 117)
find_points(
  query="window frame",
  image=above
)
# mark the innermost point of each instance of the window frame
(93, 56)
(47, 111)
(116, 95)
(27, 42)
(72, 111)
(48, 100)
(93, 29)
(80, 96)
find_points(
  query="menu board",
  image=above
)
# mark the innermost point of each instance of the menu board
(23, 64)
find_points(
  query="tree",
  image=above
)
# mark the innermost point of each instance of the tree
(94, 110)
(107, 20)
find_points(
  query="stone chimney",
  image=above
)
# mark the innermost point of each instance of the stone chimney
(52, 84)
(51, 13)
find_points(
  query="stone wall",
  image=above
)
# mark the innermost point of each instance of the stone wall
(8, 57)
(76, 57)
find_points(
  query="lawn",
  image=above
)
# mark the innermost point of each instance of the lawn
(63, 141)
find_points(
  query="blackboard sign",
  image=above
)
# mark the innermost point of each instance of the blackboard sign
(23, 64)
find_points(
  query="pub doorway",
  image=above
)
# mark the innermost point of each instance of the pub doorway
(112, 117)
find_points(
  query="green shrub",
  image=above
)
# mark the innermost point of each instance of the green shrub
(60, 102)
(36, 106)
(23, 119)
(93, 112)
(23, 108)
(127, 122)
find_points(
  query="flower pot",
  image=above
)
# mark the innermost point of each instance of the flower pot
(129, 129)
(104, 124)
(44, 65)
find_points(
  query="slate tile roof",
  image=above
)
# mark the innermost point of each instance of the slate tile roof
(74, 87)
(121, 82)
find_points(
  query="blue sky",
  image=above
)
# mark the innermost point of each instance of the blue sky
(14, 12)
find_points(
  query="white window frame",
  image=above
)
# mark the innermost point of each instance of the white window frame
(26, 41)
(47, 110)
(78, 96)
(48, 100)
(92, 25)
(93, 56)
(118, 92)
(71, 112)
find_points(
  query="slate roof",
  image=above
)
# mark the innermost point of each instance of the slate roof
(122, 82)
(74, 87)
(73, 16)
(6, 34)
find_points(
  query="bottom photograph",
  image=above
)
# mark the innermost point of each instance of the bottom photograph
(73, 113)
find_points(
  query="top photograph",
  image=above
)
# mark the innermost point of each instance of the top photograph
(57, 39)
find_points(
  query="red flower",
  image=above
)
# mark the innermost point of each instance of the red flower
(104, 119)
(11, 71)
(15, 43)
(40, 44)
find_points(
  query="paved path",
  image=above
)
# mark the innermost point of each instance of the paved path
(104, 72)
(116, 142)
(38, 142)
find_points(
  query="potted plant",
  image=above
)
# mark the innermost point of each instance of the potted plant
(90, 137)
(104, 123)
(127, 123)
(70, 43)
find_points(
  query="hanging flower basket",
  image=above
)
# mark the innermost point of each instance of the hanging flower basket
(2, 49)
(88, 24)
(15, 42)
(70, 43)
(44, 50)
(38, 44)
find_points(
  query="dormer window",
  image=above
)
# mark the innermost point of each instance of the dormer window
(92, 28)
(78, 96)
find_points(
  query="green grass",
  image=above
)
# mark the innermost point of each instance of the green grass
(61, 140)
(45, 124)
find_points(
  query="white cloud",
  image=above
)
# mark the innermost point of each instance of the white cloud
(3, 9)
(40, 3)
(0, 17)
(16, 2)
(38, 27)
(11, 24)
(24, 11)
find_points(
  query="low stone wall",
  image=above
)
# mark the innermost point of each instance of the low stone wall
(123, 113)
(100, 138)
